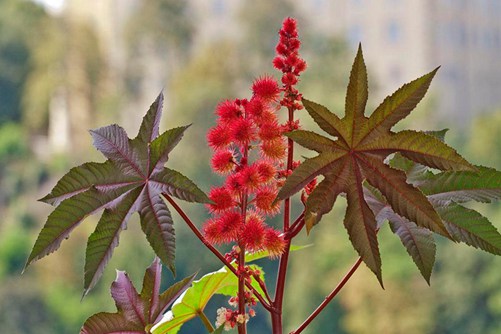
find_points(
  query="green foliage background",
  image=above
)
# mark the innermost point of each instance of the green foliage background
(465, 294)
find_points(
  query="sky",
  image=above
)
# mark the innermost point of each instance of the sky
(53, 6)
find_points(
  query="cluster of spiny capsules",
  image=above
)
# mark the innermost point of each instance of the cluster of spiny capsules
(248, 148)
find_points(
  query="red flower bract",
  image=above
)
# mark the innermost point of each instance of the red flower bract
(266, 87)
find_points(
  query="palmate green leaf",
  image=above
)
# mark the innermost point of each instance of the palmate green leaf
(133, 165)
(137, 313)
(481, 186)
(364, 143)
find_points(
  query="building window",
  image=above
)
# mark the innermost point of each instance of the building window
(393, 32)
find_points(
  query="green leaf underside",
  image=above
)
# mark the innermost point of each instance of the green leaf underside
(483, 186)
(104, 239)
(157, 225)
(468, 226)
(404, 199)
(136, 312)
(198, 295)
(366, 142)
(421, 148)
(86, 189)
(69, 215)
(417, 241)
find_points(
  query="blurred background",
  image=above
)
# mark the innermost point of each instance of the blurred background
(67, 66)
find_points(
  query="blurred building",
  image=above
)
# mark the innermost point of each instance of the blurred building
(404, 39)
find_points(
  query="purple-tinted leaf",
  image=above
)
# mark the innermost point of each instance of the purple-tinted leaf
(163, 145)
(110, 323)
(102, 176)
(417, 241)
(104, 239)
(396, 107)
(356, 97)
(361, 226)
(113, 142)
(151, 121)
(404, 199)
(127, 299)
(151, 290)
(68, 215)
(468, 226)
(157, 224)
(169, 296)
(314, 141)
(308, 170)
(327, 121)
(175, 184)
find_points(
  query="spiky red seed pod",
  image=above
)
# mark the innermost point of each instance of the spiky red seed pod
(242, 131)
(234, 183)
(274, 149)
(267, 116)
(269, 130)
(223, 229)
(289, 79)
(300, 67)
(250, 178)
(266, 88)
(222, 198)
(266, 170)
(228, 111)
(219, 137)
(281, 49)
(253, 233)
(274, 243)
(279, 63)
(255, 107)
(290, 26)
(223, 161)
(264, 201)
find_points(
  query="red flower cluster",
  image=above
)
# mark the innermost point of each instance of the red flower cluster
(244, 128)
(289, 63)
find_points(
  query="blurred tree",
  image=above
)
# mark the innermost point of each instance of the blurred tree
(15, 51)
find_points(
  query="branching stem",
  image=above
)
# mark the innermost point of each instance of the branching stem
(329, 297)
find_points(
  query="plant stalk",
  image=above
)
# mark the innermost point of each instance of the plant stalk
(266, 303)
(205, 321)
(329, 297)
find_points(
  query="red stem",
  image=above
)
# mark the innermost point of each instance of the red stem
(296, 227)
(276, 317)
(328, 299)
(266, 303)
